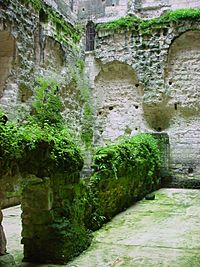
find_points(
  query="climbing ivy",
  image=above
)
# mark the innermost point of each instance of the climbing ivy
(63, 29)
(146, 25)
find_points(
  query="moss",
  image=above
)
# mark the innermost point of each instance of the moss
(63, 29)
(123, 173)
(87, 118)
(131, 23)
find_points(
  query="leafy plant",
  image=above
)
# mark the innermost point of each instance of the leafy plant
(146, 25)
(123, 173)
(47, 104)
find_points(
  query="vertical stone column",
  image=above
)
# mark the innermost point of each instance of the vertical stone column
(164, 147)
(37, 199)
(52, 229)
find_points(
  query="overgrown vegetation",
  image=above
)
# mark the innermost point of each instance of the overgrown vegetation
(63, 29)
(123, 173)
(45, 131)
(87, 118)
(41, 147)
(146, 25)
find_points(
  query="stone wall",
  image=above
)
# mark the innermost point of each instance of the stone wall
(160, 75)
(154, 8)
(30, 47)
(101, 9)
(184, 3)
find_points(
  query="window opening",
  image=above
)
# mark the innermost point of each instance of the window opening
(90, 36)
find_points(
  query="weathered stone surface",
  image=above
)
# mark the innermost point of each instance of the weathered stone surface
(166, 66)
(162, 232)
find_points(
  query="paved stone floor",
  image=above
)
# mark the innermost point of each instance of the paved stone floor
(163, 232)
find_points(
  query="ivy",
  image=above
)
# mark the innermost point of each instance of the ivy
(63, 29)
(146, 25)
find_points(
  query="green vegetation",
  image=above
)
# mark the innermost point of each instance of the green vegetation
(87, 120)
(45, 131)
(123, 173)
(145, 25)
(63, 29)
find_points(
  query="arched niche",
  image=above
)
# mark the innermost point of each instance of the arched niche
(182, 75)
(53, 55)
(7, 52)
(90, 36)
(117, 97)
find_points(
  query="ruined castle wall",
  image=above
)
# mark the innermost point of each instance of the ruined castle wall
(29, 47)
(101, 9)
(165, 66)
(175, 4)
(154, 8)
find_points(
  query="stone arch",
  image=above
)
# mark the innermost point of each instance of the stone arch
(117, 97)
(182, 82)
(7, 53)
(182, 73)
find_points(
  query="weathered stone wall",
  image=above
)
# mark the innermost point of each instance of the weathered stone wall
(184, 3)
(164, 65)
(30, 47)
(101, 9)
(154, 8)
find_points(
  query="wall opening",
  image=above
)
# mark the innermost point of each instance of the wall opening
(90, 36)
(7, 51)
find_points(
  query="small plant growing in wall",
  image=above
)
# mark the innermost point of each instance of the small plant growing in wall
(47, 105)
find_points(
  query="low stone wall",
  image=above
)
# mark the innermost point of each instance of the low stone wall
(123, 174)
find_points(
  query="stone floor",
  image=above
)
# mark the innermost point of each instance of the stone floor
(163, 232)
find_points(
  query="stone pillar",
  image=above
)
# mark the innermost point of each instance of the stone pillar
(36, 217)
(164, 147)
(52, 231)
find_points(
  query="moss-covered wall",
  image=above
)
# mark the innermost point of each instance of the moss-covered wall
(70, 208)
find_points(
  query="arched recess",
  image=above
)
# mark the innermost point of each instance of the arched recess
(117, 99)
(182, 79)
(7, 52)
(90, 36)
(53, 55)
(183, 73)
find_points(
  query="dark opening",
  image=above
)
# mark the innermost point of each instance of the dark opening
(137, 85)
(170, 82)
(99, 113)
(165, 31)
(136, 128)
(136, 107)
(90, 36)
(159, 129)
(83, 9)
(190, 170)
(72, 5)
(175, 106)
(110, 108)
(43, 16)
